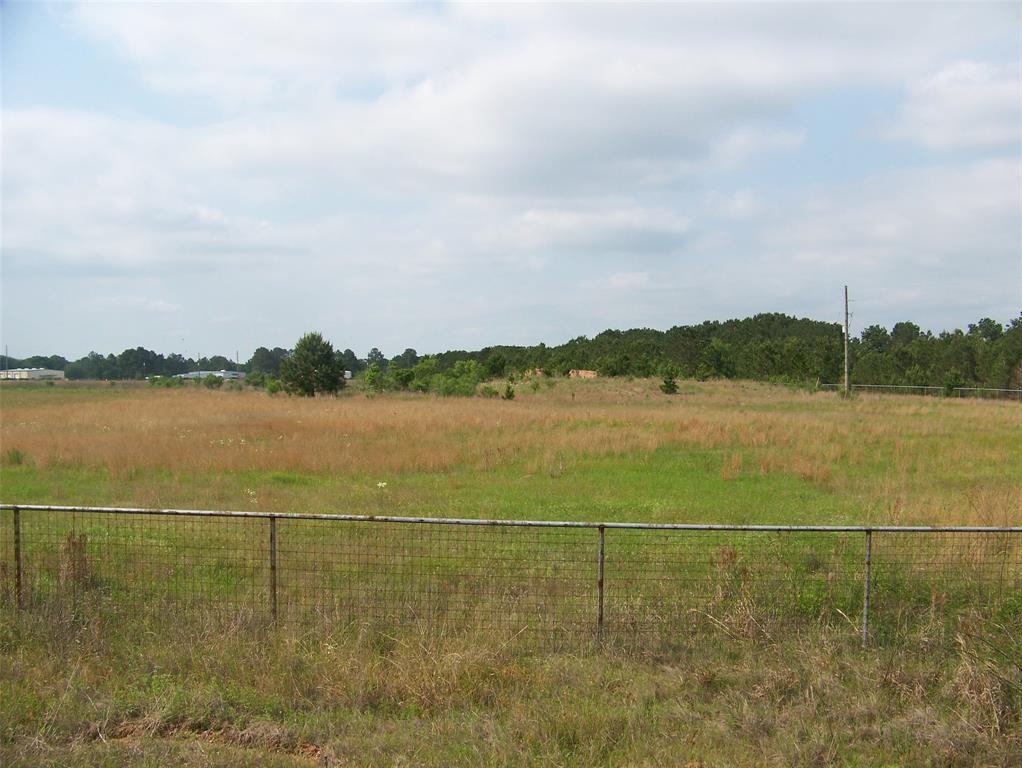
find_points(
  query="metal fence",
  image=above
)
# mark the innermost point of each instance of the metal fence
(983, 393)
(555, 582)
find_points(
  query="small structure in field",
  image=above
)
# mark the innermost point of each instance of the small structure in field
(576, 373)
(31, 374)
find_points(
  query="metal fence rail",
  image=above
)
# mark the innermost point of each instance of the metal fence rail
(983, 393)
(556, 582)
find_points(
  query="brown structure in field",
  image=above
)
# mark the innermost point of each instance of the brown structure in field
(575, 373)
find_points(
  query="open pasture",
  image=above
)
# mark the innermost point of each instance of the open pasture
(606, 450)
(106, 669)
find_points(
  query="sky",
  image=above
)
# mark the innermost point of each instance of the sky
(208, 178)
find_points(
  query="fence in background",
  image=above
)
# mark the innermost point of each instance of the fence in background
(557, 582)
(983, 393)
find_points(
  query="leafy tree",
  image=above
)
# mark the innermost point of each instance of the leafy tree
(311, 368)
(424, 373)
(373, 380)
(876, 339)
(351, 363)
(402, 377)
(376, 357)
(952, 380)
(496, 364)
(266, 361)
(987, 329)
(462, 379)
(406, 359)
(717, 361)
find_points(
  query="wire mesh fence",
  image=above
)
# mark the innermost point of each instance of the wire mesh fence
(554, 583)
(983, 393)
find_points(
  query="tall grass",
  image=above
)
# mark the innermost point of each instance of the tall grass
(897, 459)
(766, 670)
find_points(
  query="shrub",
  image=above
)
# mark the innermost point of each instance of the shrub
(212, 382)
(487, 391)
(509, 391)
(373, 378)
(14, 458)
(669, 386)
(953, 379)
(402, 377)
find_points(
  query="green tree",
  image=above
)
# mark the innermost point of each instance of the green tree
(406, 359)
(717, 361)
(670, 382)
(311, 368)
(402, 377)
(351, 363)
(266, 361)
(376, 357)
(495, 365)
(373, 379)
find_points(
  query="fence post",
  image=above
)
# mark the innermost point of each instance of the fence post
(18, 600)
(273, 568)
(599, 589)
(866, 587)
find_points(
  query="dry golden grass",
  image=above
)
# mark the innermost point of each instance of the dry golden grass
(902, 458)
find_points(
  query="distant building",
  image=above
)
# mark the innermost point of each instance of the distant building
(226, 375)
(575, 373)
(32, 374)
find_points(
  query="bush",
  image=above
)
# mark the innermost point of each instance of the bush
(15, 458)
(212, 382)
(509, 391)
(953, 379)
(170, 382)
(462, 379)
(487, 391)
(373, 379)
(402, 377)
(273, 386)
(669, 386)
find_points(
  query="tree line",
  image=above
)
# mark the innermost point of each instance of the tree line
(767, 347)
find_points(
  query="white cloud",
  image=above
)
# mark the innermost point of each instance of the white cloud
(965, 104)
(398, 170)
(628, 280)
(918, 218)
(134, 303)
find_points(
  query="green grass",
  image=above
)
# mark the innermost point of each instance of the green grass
(162, 652)
(670, 484)
(172, 692)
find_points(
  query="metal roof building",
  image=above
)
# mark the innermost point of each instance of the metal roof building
(31, 374)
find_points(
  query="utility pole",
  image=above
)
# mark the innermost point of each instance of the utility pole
(848, 387)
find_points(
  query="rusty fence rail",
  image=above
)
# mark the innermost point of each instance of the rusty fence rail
(558, 582)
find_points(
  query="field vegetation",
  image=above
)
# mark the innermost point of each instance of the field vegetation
(609, 449)
(128, 686)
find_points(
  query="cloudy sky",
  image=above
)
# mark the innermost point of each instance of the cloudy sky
(208, 178)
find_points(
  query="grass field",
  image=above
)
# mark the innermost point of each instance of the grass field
(126, 687)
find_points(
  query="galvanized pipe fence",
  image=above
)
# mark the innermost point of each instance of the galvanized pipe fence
(982, 393)
(556, 581)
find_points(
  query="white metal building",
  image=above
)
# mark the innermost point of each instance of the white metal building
(31, 374)
(226, 375)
